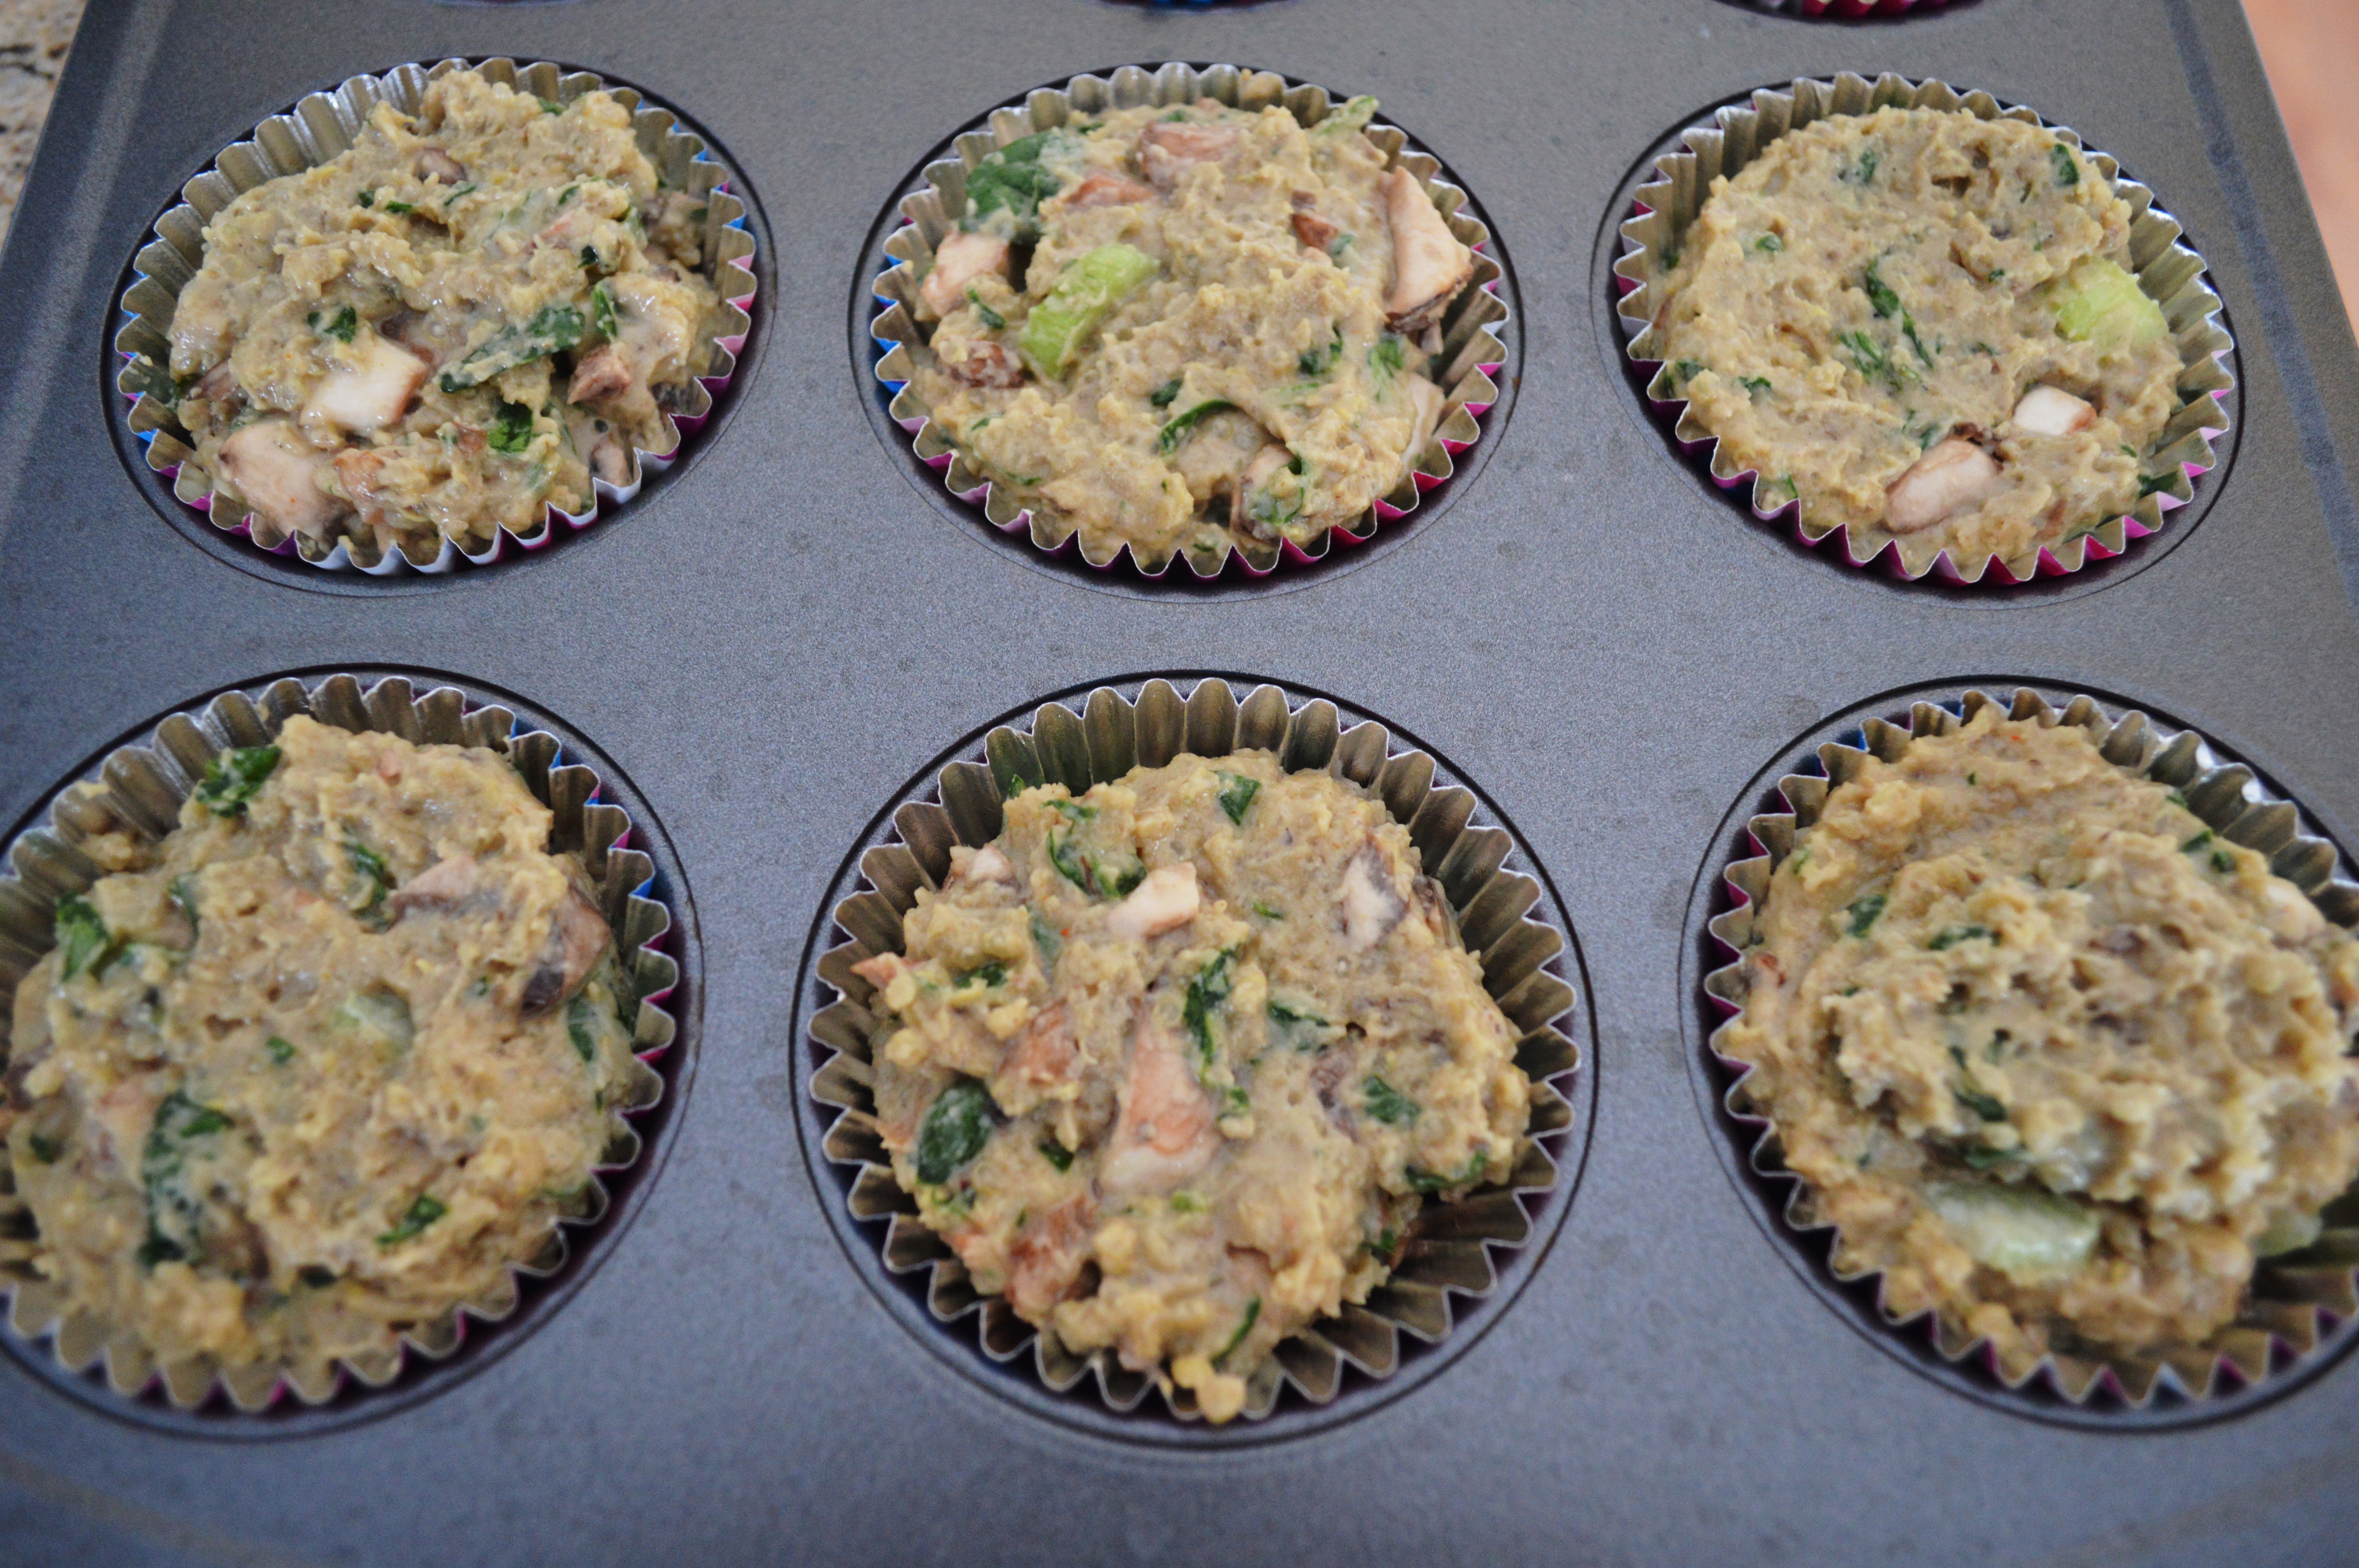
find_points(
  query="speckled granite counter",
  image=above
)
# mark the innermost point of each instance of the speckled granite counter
(34, 35)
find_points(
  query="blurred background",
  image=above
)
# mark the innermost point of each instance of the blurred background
(2311, 47)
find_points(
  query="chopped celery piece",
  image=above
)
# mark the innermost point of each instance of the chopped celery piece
(1086, 292)
(2099, 303)
(1353, 115)
(2023, 1231)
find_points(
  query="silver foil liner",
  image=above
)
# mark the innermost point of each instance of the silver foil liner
(1472, 349)
(1448, 1252)
(2296, 1298)
(323, 125)
(139, 788)
(2169, 272)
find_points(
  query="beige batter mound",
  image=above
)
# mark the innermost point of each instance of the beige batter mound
(1185, 328)
(2051, 1055)
(1918, 322)
(446, 328)
(1175, 1062)
(322, 1062)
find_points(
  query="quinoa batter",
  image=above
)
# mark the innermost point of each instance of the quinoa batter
(1174, 1063)
(1193, 328)
(1920, 324)
(322, 1064)
(2053, 1056)
(445, 330)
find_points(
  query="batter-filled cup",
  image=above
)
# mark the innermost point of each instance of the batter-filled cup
(645, 373)
(1250, 451)
(967, 854)
(1938, 952)
(2024, 427)
(606, 985)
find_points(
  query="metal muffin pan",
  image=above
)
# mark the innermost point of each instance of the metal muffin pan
(787, 632)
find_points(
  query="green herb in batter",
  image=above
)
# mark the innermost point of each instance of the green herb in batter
(2222, 862)
(2201, 840)
(1864, 173)
(370, 866)
(1950, 935)
(1879, 293)
(1384, 357)
(463, 190)
(1303, 1029)
(1353, 115)
(991, 319)
(2068, 168)
(1433, 1182)
(1981, 1104)
(1253, 1315)
(1386, 1243)
(1056, 1154)
(553, 329)
(1168, 439)
(1235, 1101)
(1338, 245)
(550, 106)
(174, 1207)
(1208, 991)
(368, 198)
(46, 1149)
(957, 1126)
(1162, 396)
(183, 895)
(581, 1026)
(1671, 256)
(423, 1211)
(1387, 1104)
(1684, 371)
(1908, 330)
(1045, 939)
(83, 938)
(2152, 483)
(601, 307)
(281, 1050)
(1769, 242)
(399, 207)
(1874, 362)
(1982, 1158)
(1012, 178)
(1864, 912)
(1267, 912)
(1186, 1203)
(1238, 797)
(994, 973)
(511, 431)
(1319, 361)
(1755, 385)
(1072, 810)
(341, 326)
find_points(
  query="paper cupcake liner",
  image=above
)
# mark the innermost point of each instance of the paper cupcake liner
(2297, 1300)
(2169, 272)
(1449, 1253)
(142, 786)
(1848, 10)
(1472, 350)
(319, 128)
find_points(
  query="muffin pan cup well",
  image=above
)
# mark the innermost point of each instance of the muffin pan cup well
(1449, 1253)
(2301, 1304)
(1471, 351)
(319, 128)
(2167, 270)
(139, 789)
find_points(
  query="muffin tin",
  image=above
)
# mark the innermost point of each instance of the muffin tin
(783, 635)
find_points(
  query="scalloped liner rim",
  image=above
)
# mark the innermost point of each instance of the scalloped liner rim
(342, 1375)
(1981, 1351)
(505, 542)
(1943, 567)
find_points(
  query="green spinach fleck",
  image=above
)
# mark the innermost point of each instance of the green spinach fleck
(423, 1211)
(1387, 1104)
(1238, 797)
(234, 777)
(957, 1126)
(1864, 912)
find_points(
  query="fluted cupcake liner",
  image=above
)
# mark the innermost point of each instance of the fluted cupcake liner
(1449, 1253)
(319, 128)
(2295, 1300)
(1471, 352)
(139, 789)
(2167, 269)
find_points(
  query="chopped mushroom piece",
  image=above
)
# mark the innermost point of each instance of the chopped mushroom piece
(959, 261)
(987, 864)
(603, 373)
(1429, 265)
(576, 938)
(1308, 227)
(1164, 1128)
(446, 887)
(1370, 905)
(1951, 478)
(987, 364)
(1164, 902)
(2052, 411)
(433, 163)
(1169, 148)
(280, 474)
(372, 391)
(1103, 190)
